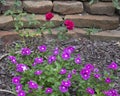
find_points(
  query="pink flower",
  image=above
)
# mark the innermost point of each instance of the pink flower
(66, 83)
(32, 84)
(113, 66)
(69, 24)
(107, 80)
(16, 80)
(48, 90)
(85, 73)
(49, 16)
(38, 72)
(97, 76)
(21, 93)
(89, 66)
(90, 91)
(63, 89)
(63, 71)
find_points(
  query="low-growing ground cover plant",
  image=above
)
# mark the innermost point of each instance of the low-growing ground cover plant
(59, 73)
(43, 72)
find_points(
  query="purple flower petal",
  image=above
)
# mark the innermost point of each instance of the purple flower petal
(66, 83)
(25, 51)
(63, 89)
(21, 93)
(32, 84)
(63, 71)
(48, 90)
(42, 48)
(16, 80)
(90, 91)
(85, 74)
(113, 66)
(38, 72)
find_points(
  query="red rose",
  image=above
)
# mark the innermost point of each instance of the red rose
(69, 24)
(49, 16)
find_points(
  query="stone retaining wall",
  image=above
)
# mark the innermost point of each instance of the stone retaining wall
(102, 15)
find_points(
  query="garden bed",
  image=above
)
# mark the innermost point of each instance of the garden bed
(97, 52)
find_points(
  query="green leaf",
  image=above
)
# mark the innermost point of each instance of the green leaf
(49, 31)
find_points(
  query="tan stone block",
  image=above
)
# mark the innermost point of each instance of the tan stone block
(37, 6)
(102, 22)
(67, 7)
(9, 5)
(100, 8)
(6, 22)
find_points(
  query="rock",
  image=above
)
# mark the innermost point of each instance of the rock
(9, 5)
(100, 8)
(67, 7)
(37, 6)
(57, 20)
(103, 22)
(6, 22)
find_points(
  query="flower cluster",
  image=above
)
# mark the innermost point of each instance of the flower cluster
(46, 71)
(25, 51)
(111, 92)
(18, 86)
(66, 54)
(86, 71)
(65, 84)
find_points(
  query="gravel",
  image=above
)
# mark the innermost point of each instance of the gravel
(100, 53)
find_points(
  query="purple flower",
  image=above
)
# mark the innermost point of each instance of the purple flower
(66, 83)
(107, 80)
(16, 80)
(56, 51)
(90, 91)
(42, 48)
(74, 71)
(38, 60)
(12, 59)
(97, 76)
(51, 59)
(111, 92)
(21, 93)
(69, 76)
(38, 72)
(32, 84)
(96, 70)
(89, 66)
(63, 71)
(21, 67)
(85, 74)
(63, 89)
(48, 90)
(18, 87)
(113, 66)
(34, 64)
(25, 51)
(69, 49)
(77, 60)
(65, 56)
(30, 91)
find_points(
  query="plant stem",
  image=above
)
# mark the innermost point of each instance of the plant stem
(2, 90)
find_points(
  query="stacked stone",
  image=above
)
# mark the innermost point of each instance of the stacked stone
(100, 15)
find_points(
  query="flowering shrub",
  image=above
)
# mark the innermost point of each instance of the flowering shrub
(59, 73)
